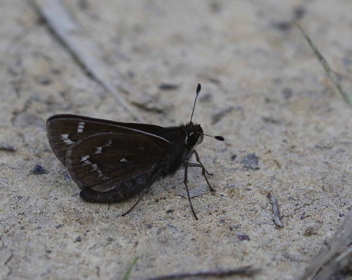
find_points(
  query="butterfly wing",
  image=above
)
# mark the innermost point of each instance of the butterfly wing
(109, 161)
(103, 158)
(112, 167)
(65, 130)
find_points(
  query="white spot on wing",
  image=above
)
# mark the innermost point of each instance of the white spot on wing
(80, 127)
(64, 137)
(108, 144)
(94, 166)
(123, 160)
(84, 158)
(98, 151)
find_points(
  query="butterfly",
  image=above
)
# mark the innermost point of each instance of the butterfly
(113, 161)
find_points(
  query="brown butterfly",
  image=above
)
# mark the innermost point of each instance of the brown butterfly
(113, 161)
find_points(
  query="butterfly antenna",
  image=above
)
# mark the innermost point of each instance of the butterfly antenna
(199, 87)
(218, 137)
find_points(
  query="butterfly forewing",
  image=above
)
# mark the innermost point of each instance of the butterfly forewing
(104, 160)
(64, 130)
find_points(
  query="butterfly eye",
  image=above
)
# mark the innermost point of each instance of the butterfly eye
(192, 139)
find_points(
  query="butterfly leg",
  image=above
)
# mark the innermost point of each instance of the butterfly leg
(195, 164)
(199, 164)
(204, 171)
(145, 191)
(189, 197)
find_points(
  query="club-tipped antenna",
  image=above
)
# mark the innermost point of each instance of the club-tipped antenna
(199, 87)
(218, 137)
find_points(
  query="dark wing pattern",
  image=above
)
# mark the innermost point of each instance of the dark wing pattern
(103, 161)
(65, 130)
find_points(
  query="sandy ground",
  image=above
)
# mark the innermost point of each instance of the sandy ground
(263, 90)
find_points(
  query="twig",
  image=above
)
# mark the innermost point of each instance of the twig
(83, 49)
(335, 257)
(7, 147)
(129, 269)
(243, 271)
(326, 66)
(276, 211)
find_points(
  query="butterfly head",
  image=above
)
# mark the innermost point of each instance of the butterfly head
(194, 134)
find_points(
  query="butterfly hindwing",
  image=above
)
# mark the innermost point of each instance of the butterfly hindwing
(103, 161)
(121, 190)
